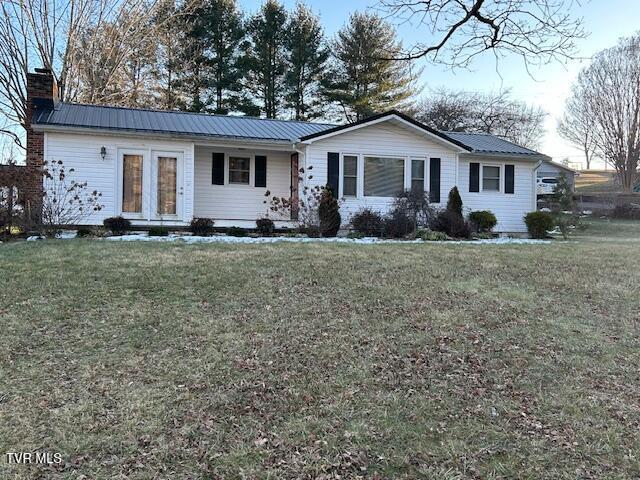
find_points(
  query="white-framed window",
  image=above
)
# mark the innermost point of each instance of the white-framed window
(349, 175)
(490, 178)
(383, 176)
(417, 175)
(239, 170)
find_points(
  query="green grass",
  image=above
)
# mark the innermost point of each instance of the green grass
(152, 360)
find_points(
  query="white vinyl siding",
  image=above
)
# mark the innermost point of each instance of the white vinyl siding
(237, 201)
(82, 153)
(508, 208)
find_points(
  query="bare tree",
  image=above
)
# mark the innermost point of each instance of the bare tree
(494, 113)
(94, 48)
(577, 126)
(537, 30)
(608, 91)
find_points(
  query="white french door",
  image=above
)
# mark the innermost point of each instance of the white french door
(167, 189)
(151, 184)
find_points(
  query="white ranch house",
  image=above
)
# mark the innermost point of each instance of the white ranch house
(159, 167)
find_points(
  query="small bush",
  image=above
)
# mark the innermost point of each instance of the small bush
(415, 203)
(449, 222)
(626, 211)
(158, 231)
(367, 223)
(117, 225)
(539, 223)
(265, 226)
(454, 202)
(432, 236)
(355, 235)
(483, 220)
(84, 232)
(397, 224)
(202, 227)
(329, 214)
(236, 232)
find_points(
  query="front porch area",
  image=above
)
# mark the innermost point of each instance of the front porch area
(233, 185)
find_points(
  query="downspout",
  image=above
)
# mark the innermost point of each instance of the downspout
(535, 193)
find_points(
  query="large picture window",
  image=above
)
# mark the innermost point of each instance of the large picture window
(239, 170)
(490, 178)
(350, 175)
(383, 176)
(132, 183)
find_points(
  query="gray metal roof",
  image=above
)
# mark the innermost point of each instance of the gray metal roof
(172, 122)
(75, 115)
(490, 144)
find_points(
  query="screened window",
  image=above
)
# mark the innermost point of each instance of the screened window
(132, 183)
(490, 178)
(417, 175)
(383, 176)
(239, 170)
(349, 175)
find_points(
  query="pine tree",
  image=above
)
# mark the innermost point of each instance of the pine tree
(363, 79)
(307, 58)
(196, 66)
(265, 58)
(223, 32)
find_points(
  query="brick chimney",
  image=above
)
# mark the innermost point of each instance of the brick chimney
(42, 93)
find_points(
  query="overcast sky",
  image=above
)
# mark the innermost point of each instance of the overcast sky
(605, 20)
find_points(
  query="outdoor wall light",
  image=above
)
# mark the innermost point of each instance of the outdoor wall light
(103, 152)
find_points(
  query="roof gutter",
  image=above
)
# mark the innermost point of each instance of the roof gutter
(520, 156)
(203, 139)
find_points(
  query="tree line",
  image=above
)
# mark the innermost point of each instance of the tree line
(210, 56)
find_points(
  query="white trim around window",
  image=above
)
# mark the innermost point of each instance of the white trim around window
(252, 168)
(342, 175)
(500, 177)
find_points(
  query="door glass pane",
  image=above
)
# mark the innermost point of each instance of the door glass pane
(383, 177)
(132, 183)
(167, 176)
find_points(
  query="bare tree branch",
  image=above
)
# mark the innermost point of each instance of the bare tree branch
(536, 30)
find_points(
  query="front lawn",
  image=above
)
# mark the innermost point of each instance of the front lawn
(152, 360)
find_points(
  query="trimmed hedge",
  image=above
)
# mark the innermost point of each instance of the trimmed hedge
(539, 223)
(483, 220)
(117, 225)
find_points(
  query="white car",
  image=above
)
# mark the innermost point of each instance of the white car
(546, 185)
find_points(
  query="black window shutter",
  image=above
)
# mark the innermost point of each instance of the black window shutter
(333, 171)
(434, 180)
(217, 169)
(474, 177)
(509, 183)
(261, 171)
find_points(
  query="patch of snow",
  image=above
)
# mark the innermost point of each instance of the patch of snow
(33, 238)
(192, 239)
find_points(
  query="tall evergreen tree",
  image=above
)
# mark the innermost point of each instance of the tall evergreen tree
(224, 31)
(265, 58)
(363, 79)
(196, 66)
(307, 59)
